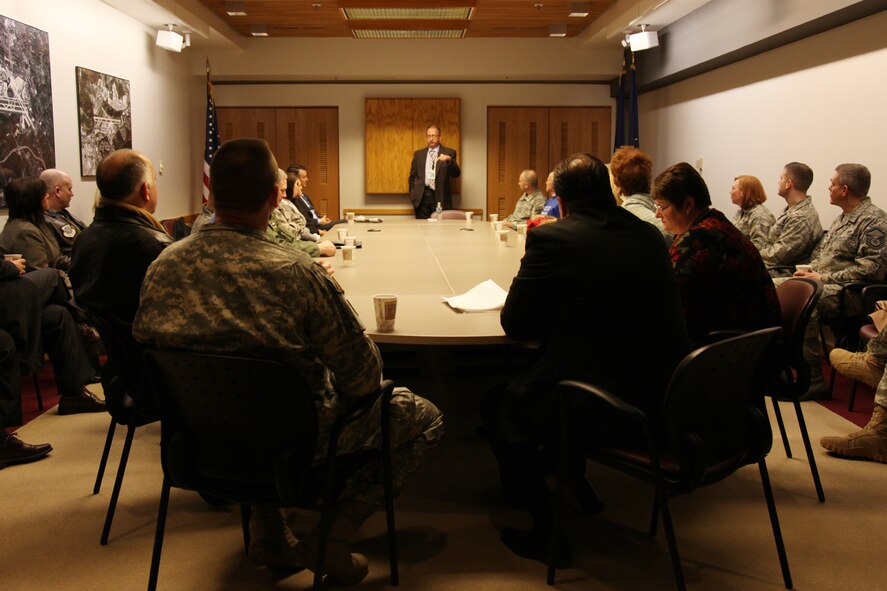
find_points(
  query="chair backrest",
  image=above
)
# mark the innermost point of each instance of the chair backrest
(797, 299)
(243, 428)
(124, 379)
(709, 412)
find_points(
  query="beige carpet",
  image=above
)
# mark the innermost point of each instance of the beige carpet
(447, 522)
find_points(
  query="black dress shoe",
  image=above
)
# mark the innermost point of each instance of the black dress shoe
(535, 545)
(83, 401)
(15, 451)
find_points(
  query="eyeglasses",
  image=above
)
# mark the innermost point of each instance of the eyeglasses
(661, 208)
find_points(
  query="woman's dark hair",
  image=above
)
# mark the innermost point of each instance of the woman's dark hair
(679, 181)
(583, 182)
(24, 196)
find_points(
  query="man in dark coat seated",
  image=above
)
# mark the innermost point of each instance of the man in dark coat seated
(596, 290)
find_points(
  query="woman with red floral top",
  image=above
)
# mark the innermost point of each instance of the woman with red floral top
(723, 282)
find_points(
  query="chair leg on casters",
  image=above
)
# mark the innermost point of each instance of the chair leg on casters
(774, 522)
(118, 484)
(104, 461)
(158, 535)
(852, 400)
(778, 414)
(802, 424)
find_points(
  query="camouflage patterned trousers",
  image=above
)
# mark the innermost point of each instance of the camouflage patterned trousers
(416, 425)
(878, 348)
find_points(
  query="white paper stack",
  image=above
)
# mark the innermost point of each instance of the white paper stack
(482, 297)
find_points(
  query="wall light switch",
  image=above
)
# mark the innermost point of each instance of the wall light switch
(160, 167)
(699, 164)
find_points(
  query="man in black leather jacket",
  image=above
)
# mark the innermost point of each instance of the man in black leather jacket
(111, 256)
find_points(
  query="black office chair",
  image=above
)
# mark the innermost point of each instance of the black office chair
(246, 430)
(711, 424)
(797, 299)
(128, 397)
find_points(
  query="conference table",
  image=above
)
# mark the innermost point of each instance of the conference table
(421, 261)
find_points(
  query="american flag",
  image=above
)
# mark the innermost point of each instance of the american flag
(212, 134)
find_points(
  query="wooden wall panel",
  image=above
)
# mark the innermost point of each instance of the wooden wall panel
(389, 145)
(395, 128)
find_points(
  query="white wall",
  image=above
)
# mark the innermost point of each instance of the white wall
(820, 101)
(350, 100)
(91, 34)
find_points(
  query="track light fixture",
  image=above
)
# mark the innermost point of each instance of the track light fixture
(170, 40)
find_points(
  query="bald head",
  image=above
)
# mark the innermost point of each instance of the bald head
(127, 175)
(59, 188)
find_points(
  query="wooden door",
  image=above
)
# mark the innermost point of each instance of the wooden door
(296, 135)
(310, 136)
(579, 129)
(517, 139)
(235, 122)
(537, 138)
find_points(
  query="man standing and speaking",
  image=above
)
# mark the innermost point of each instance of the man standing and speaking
(430, 175)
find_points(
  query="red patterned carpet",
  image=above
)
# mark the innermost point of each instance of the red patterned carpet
(863, 404)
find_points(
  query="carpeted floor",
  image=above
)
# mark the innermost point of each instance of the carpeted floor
(448, 518)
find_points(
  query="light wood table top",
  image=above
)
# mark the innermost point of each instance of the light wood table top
(421, 261)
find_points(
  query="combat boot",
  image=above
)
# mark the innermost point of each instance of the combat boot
(869, 443)
(857, 366)
(341, 566)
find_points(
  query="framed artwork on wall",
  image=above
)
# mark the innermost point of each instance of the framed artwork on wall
(27, 140)
(104, 115)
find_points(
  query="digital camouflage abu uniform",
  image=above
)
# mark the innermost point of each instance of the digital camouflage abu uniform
(755, 223)
(793, 237)
(233, 290)
(284, 231)
(527, 206)
(852, 250)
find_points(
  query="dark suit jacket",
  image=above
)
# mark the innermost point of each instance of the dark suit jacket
(445, 170)
(597, 291)
(306, 211)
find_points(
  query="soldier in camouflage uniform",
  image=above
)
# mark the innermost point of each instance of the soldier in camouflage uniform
(286, 226)
(753, 219)
(231, 289)
(870, 442)
(530, 203)
(797, 230)
(853, 250)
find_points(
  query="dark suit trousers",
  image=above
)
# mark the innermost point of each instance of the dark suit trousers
(427, 205)
(10, 388)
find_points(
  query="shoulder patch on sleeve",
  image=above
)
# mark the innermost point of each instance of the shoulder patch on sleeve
(875, 238)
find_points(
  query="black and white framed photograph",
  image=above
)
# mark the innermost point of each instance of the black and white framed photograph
(104, 116)
(27, 140)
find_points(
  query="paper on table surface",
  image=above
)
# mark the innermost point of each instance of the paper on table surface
(483, 296)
